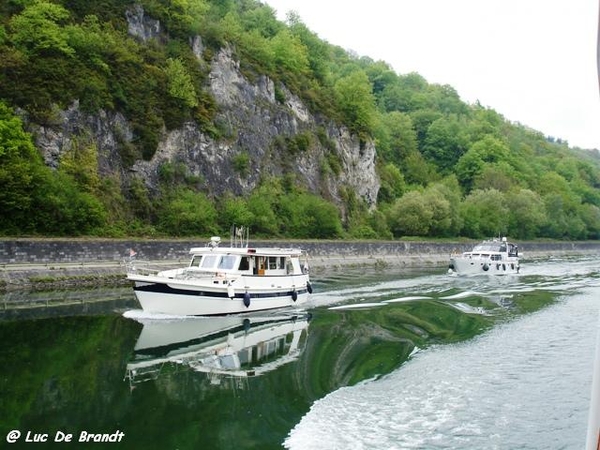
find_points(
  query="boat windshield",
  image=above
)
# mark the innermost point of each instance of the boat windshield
(227, 262)
(490, 247)
(209, 261)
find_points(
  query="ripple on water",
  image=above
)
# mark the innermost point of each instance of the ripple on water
(524, 384)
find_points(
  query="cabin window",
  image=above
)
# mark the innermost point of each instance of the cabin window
(276, 262)
(208, 262)
(196, 261)
(244, 263)
(227, 262)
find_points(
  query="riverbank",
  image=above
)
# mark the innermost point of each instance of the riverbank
(50, 263)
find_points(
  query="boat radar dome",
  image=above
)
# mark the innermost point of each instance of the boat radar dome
(214, 241)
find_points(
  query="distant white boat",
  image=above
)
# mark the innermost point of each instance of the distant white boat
(225, 280)
(493, 257)
(232, 346)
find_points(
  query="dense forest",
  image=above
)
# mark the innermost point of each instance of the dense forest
(446, 168)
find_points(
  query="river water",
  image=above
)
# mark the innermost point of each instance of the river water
(381, 359)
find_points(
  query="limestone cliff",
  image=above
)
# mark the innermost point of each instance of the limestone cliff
(256, 117)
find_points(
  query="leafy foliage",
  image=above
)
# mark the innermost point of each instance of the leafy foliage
(446, 168)
(20, 168)
(180, 83)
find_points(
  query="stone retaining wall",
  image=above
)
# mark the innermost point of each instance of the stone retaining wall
(86, 251)
(24, 262)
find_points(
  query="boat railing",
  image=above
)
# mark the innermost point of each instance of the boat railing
(151, 269)
(192, 273)
(146, 268)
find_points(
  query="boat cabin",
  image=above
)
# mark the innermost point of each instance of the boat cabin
(246, 262)
(497, 247)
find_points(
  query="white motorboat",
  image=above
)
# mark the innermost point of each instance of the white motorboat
(493, 257)
(232, 346)
(224, 280)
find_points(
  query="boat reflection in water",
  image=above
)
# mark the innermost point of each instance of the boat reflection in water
(222, 347)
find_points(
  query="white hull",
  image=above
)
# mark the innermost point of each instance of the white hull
(193, 304)
(476, 266)
(205, 298)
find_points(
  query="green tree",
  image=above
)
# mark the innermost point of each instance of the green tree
(380, 75)
(20, 167)
(263, 203)
(407, 93)
(410, 215)
(441, 213)
(39, 30)
(398, 139)
(418, 171)
(527, 213)
(446, 141)
(318, 51)
(485, 152)
(61, 208)
(484, 122)
(498, 176)
(392, 183)
(590, 215)
(447, 220)
(356, 102)
(34, 199)
(290, 54)
(551, 183)
(80, 163)
(562, 221)
(187, 213)
(231, 29)
(485, 214)
(308, 216)
(139, 198)
(422, 120)
(180, 84)
(261, 19)
(182, 18)
(234, 210)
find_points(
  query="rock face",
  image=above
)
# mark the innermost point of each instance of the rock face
(72, 127)
(259, 121)
(141, 26)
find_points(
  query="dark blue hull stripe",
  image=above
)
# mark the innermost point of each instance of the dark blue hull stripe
(160, 288)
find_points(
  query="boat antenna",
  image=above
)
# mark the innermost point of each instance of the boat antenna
(239, 235)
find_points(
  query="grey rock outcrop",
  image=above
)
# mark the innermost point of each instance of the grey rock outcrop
(257, 119)
(140, 25)
(72, 127)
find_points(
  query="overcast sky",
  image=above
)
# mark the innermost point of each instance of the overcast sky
(533, 61)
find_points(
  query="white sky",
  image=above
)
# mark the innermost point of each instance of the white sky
(533, 61)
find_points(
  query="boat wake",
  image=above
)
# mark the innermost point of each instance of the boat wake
(516, 386)
(140, 315)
